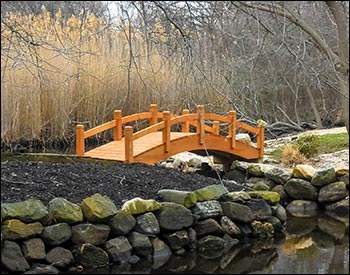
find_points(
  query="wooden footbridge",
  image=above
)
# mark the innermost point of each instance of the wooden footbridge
(159, 141)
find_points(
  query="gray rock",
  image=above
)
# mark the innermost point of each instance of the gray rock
(141, 243)
(122, 223)
(12, 257)
(237, 212)
(42, 269)
(34, 249)
(206, 209)
(177, 240)
(279, 175)
(95, 234)
(89, 255)
(300, 189)
(260, 209)
(229, 227)
(57, 233)
(340, 207)
(173, 216)
(324, 176)
(208, 227)
(333, 192)
(147, 224)
(118, 249)
(60, 257)
(161, 253)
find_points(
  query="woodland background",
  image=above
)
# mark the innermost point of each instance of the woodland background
(70, 62)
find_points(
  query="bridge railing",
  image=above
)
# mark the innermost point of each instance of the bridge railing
(187, 119)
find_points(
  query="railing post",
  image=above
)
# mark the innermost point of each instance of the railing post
(200, 125)
(129, 146)
(185, 126)
(79, 140)
(166, 130)
(117, 130)
(153, 109)
(216, 127)
(260, 141)
(232, 128)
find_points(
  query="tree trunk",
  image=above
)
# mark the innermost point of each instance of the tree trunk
(314, 108)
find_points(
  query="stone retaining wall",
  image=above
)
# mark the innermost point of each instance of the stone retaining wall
(64, 236)
(303, 189)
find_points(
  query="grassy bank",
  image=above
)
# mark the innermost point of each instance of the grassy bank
(328, 143)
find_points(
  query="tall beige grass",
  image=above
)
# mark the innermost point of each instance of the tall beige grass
(79, 71)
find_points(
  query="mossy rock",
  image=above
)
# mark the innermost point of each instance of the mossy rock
(31, 210)
(139, 206)
(270, 196)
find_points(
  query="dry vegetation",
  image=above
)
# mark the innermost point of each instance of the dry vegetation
(59, 71)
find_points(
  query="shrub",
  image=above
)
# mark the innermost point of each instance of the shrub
(308, 145)
(291, 155)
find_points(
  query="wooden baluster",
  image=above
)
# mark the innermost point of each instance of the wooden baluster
(260, 141)
(79, 140)
(166, 130)
(232, 128)
(117, 130)
(200, 125)
(129, 145)
(216, 127)
(185, 126)
(153, 109)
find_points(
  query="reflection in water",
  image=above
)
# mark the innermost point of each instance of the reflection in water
(318, 245)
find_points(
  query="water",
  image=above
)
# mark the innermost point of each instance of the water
(318, 245)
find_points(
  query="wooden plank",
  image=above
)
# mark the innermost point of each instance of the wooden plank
(148, 130)
(220, 118)
(134, 117)
(247, 127)
(98, 129)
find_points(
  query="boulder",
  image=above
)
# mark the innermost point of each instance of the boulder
(98, 208)
(27, 211)
(139, 206)
(184, 198)
(62, 210)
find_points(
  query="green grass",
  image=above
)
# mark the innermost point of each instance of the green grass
(329, 143)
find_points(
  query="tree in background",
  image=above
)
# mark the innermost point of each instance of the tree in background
(72, 62)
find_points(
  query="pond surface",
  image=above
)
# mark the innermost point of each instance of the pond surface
(317, 245)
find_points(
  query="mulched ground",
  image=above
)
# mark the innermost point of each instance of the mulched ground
(22, 180)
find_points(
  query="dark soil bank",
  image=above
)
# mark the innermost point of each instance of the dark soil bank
(22, 180)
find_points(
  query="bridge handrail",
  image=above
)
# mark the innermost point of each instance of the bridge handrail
(186, 119)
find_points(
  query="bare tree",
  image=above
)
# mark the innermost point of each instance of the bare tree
(339, 57)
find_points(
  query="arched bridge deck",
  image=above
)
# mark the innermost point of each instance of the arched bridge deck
(158, 142)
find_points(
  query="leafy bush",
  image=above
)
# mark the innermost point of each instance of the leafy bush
(308, 145)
